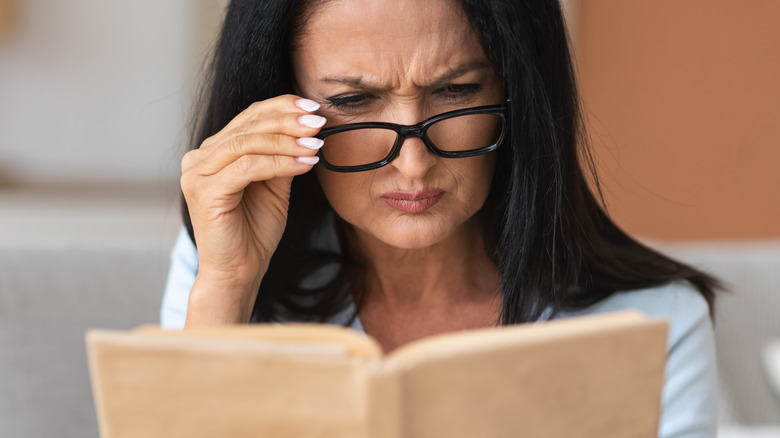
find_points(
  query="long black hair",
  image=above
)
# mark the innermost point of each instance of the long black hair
(553, 243)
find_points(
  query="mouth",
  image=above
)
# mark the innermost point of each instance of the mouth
(413, 202)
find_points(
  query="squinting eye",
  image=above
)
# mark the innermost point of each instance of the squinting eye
(459, 94)
(462, 88)
(349, 102)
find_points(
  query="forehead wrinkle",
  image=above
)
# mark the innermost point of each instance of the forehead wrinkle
(440, 60)
(450, 73)
(426, 58)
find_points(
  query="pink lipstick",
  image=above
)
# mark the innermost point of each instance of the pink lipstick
(413, 202)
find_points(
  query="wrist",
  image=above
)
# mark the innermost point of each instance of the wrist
(220, 298)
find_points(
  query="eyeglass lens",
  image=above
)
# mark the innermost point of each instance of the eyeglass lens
(456, 134)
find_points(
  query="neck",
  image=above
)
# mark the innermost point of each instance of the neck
(454, 271)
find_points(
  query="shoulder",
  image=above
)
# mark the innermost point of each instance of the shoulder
(690, 383)
(680, 304)
(677, 302)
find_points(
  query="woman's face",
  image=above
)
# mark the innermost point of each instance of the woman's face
(399, 61)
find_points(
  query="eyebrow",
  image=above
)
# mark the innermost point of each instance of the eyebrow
(359, 83)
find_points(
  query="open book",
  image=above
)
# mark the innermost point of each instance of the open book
(593, 376)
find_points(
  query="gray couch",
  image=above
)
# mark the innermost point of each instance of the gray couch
(85, 257)
(72, 259)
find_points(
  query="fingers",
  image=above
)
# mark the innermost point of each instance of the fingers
(250, 168)
(214, 159)
(282, 125)
(288, 106)
(270, 139)
(236, 176)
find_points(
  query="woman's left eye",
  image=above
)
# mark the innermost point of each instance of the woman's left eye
(349, 102)
(460, 91)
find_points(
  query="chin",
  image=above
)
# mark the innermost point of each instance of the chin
(414, 238)
(411, 243)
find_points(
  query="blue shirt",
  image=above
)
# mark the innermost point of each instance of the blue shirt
(689, 399)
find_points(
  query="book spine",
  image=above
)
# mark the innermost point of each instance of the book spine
(383, 402)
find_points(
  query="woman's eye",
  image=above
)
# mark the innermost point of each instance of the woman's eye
(349, 102)
(462, 89)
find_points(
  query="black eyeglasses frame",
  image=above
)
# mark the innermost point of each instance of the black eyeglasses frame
(418, 130)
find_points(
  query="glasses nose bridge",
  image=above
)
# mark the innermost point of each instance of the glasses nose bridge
(405, 132)
(413, 131)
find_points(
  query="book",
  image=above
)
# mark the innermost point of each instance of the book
(590, 376)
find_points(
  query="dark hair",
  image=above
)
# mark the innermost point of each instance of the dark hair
(553, 243)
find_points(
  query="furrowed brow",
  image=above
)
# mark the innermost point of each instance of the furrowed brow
(352, 81)
(460, 71)
(359, 83)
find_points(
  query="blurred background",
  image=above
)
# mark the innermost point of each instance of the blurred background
(682, 102)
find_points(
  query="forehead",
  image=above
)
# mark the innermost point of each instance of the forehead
(395, 40)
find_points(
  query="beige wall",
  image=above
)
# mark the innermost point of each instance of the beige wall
(683, 99)
(6, 16)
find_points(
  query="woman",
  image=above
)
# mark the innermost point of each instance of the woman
(410, 168)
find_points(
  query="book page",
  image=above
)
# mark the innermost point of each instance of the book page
(494, 337)
(587, 377)
(149, 384)
(356, 344)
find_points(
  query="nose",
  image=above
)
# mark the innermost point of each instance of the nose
(414, 160)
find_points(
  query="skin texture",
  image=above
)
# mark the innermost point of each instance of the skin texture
(237, 187)
(399, 61)
(411, 59)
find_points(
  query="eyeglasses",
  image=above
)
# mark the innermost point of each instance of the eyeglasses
(462, 133)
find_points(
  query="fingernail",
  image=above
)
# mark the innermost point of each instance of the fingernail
(311, 120)
(308, 160)
(307, 105)
(310, 142)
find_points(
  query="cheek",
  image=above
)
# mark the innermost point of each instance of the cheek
(475, 179)
(347, 193)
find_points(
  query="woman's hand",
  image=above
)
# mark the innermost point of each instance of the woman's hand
(237, 188)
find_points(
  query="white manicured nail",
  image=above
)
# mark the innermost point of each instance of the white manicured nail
(311, 120)
(308, 160)
(307, 105)
(310, 142)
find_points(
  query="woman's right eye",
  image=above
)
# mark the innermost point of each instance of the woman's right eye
(349, 102)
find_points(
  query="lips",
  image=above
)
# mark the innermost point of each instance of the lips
(413, 202)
